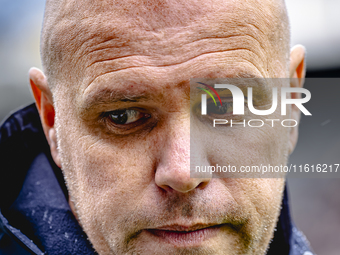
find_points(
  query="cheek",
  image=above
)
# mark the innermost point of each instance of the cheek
(260, 199)
(246, 146)
(102, 174)
(102, 168)
(265, 194)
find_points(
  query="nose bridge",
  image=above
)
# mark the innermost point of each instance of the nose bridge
(178, 143)
(173, 171)
(176, 153)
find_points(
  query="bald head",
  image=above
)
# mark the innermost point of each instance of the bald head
(73, 30)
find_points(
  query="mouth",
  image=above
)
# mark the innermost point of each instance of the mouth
(185, 236)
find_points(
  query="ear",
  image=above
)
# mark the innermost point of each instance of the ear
(297, 70)
(44, 102)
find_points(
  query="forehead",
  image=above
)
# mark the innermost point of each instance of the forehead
(105, 37)
(155, 14)
(78, 24)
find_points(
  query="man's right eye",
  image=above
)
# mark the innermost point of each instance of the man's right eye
(126, 116)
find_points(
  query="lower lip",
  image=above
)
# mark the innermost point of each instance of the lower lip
(183, 238)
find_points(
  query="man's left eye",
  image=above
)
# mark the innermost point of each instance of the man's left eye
(127, 116)
(227, 108)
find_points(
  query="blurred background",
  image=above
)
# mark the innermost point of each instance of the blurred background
(315, 203)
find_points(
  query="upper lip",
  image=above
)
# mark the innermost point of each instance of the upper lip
(184, 228)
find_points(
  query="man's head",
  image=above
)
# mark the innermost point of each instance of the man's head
(115, 109)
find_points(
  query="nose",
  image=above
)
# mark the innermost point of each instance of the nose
(173, 170)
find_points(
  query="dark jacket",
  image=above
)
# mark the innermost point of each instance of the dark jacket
(35, 217)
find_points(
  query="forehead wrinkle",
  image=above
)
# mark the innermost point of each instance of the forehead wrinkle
(112, 59)
(92, 19)
(77, 34)
(126, 35)
(233, 38)
(142, 64)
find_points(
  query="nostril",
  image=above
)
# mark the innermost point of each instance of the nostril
(202, 185)
(164, 188)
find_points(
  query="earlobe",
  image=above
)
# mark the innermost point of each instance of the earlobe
(44, 102)
(54, 146)
(297, 71)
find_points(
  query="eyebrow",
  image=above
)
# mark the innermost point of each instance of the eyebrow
(107, 96)
(260, 85)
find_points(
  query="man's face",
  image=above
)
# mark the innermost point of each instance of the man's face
(123, 128)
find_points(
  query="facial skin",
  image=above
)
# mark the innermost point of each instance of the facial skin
(130, 184)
